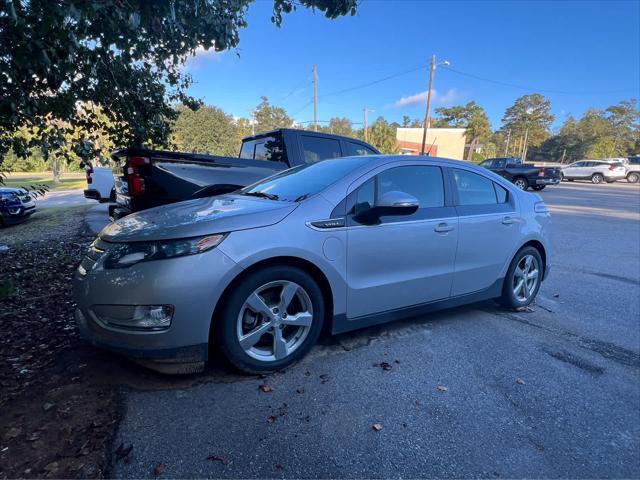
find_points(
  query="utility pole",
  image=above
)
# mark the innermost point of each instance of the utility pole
(315, 98)
(426, 116)
(366, 132)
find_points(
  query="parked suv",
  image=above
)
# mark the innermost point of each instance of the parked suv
(597, 171)
(16, 205)
(632, 168)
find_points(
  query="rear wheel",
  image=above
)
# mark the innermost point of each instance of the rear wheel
(633, 177)
(539, 187)
(521, 183)
(523, 278)
(270, 320)
(597, 178)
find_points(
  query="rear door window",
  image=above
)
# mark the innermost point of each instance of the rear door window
(474, 189)
(317, 148)
(423, 182)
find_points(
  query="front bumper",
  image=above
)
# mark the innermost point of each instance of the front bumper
(547, 181)
(191, 284)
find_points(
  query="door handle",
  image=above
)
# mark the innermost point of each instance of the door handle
(509, 220)
(443, 228)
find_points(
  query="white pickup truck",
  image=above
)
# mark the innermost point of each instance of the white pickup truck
(100, 184)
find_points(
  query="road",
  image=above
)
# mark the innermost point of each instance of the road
(472, 392)
(63, 198)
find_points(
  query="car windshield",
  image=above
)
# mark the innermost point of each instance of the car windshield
(298, 183)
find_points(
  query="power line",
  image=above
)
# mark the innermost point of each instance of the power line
(296, 88)
(373, 82)
(523, 87)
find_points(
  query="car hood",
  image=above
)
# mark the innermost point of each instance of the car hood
(203, 216)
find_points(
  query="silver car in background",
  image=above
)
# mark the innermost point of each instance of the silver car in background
(342, 244)
(595, 171)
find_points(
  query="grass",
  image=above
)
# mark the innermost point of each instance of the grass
(68, 181)
(44, 224)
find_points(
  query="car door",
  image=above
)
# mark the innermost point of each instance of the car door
(573, 170)
(401, 260)
(488, 230)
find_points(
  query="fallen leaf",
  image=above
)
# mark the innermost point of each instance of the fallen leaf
(556, 295)
(386, 366)
(122, 451)
(218, 458)
(377, 427)
(48, 406)
(266, 388)
(272, 418)
(520, 381)
(324, 378)
(157, 471)
(442, 388)
(526, 309)
(299, 390)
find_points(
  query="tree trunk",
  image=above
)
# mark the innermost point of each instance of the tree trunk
(472, 147)
(55, 167)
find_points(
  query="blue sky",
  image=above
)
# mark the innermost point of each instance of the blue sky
(580, 54)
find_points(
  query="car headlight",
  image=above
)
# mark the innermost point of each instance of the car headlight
(122, 255)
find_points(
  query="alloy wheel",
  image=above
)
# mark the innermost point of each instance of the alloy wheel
(520, 183)
(525, 278)
(597, 178)
(274, 320)
(633, 178)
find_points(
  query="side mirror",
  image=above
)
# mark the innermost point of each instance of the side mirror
(391, 203)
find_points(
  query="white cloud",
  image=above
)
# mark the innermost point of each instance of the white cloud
(201, 57)
(448, 98)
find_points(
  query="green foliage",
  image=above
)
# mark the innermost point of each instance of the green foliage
(125, 57)
(613, 132)
(406, 121)
(206, 130)
(530, 115)
(383, 136)
(472, 117)
(269, 117)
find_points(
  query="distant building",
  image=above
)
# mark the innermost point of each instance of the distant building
(441, 142)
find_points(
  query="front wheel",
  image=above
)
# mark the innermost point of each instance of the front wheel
(270, 320)
(521, 183)
(597, 178)
(633, 177)
(537, 188)
(523, 278)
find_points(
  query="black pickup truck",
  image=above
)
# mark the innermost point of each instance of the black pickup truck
(148, 178)
(523, 175)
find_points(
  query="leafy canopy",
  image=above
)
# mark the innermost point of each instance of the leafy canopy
(122, 56)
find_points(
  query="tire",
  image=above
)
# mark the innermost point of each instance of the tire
(521, 182)
(569, 179)
(537, 188)
(512, 296)
(633, 177)
(255, 306)
(597, 178)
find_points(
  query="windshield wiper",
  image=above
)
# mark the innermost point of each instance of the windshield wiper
(269, 196)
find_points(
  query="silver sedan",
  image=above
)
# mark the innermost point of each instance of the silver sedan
(343, 244)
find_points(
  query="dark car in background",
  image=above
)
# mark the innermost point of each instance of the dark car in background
(16, 205)
(523, 175)
(147, 178)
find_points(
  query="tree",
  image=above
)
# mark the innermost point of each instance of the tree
(125, 57)
(206, 130)
(383, 136)
(624, 119)
(340, 126)
(406, 121)
(268, 117)
(416, 123)
(530, 116)
(472, 117)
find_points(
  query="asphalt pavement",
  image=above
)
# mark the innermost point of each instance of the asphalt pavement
(476, 391)
(63, 198)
